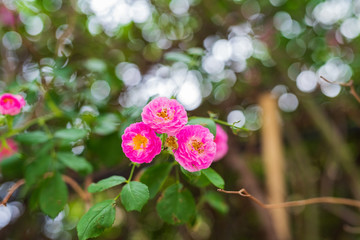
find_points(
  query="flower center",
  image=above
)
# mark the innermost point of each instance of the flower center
(139, 142)
(171, 143)
(163, 114)
(8, 101)
(198, 146)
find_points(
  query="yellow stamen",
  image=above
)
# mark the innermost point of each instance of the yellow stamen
(140, 142)
(163, 114)
(171, 143)
(198, 146)
(8, 100)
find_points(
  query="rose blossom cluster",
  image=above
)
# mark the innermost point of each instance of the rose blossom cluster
(193, 145)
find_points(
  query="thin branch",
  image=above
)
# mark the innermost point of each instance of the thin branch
(332, 200)
(11, 191)
(351, 229)
(76, 187)
(348, 84)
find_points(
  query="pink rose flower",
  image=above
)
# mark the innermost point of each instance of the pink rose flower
(196, 148)
(11, 104)
(9, 150)
(7, 17)
(164, 115)
(221, 143)
(140, 143)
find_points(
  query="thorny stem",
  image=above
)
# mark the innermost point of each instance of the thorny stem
(332, 200)
(348, 84)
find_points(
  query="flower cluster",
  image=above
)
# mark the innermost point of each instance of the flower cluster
(11, 104)
(194, 147)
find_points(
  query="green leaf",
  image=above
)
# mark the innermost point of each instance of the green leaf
(155, 176)
(177, 57)
(205, 122)
(32, 137)
(12, 167)
(79, 164)
(53, 195)
(71, 134)
(177, 206)
(106, 124)
(216, 201)
(214, 177)
(134, 195)
(96, 220)
(106, 184)
(190, 175)
(196, 51)
(35, 170)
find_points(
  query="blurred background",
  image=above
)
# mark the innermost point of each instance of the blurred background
(252, 63)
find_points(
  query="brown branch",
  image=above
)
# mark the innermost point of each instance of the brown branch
(76, 187)
(348, 84)
(332, 200)
(351, 229)
(11, 191)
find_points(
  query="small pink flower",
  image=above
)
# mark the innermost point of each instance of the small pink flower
(7, 17)
(9, 150)
(140, 143)
(221, 140)
(196, 149)
(11, 104)
(164, 115)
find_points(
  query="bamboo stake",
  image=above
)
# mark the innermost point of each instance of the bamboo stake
(273, 159)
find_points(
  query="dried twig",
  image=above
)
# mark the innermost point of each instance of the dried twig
(348, 84)
(332, 200)
(11, 191)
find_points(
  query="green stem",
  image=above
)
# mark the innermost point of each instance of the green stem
(228, 124)
(132, 172)
(9, 122)
(29, 124)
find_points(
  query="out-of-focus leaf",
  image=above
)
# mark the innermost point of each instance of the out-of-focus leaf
(35, 137)
(35, 170)
(177, 205)
(106, 124)
(53, 195)
(79, 164)
(71, 134)
(11, 167)
(178, 57)
(216, 201)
